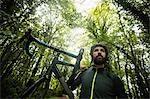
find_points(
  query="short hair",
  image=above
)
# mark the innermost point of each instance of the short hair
(107, 66)
(99, 45)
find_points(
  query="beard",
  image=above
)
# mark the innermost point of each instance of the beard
(99, 61)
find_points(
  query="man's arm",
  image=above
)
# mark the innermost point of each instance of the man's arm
(119, 87)
(74, 80)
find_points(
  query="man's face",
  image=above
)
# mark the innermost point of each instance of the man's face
(99, 55)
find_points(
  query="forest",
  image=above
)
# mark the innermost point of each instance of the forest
(121, 24)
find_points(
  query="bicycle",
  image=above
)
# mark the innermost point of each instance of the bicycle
(51, 69)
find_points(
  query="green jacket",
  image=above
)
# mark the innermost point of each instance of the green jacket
(98, 84)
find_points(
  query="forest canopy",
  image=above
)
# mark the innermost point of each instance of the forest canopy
(71, 25)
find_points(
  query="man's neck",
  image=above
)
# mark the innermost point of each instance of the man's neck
(99, 66)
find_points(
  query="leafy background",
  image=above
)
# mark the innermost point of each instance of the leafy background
(121, 24)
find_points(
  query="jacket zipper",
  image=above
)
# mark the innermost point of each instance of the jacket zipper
(93, 83)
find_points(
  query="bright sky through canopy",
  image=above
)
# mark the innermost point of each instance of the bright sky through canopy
(76, 39)
(82, 6)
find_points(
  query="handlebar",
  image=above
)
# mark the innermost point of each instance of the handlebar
(31, 39)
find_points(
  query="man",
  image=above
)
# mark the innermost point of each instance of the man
(97, 82)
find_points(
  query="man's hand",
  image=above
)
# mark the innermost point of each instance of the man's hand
(83, 67)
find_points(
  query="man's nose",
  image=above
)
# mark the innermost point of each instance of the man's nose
(99, 53)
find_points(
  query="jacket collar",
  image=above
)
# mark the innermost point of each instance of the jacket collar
(99, 69)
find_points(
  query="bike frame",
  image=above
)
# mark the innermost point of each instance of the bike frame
(52, 68)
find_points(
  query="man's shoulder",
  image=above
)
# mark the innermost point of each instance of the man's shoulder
(87, 71)
(111, 75)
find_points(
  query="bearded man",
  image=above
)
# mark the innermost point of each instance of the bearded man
(97, 82)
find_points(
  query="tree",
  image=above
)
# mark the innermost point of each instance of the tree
(17, 66)
(108, 26)
(140, 10)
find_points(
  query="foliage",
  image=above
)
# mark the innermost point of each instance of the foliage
(117, 29)
(47, 26)
(140, 11)
(115, 23)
